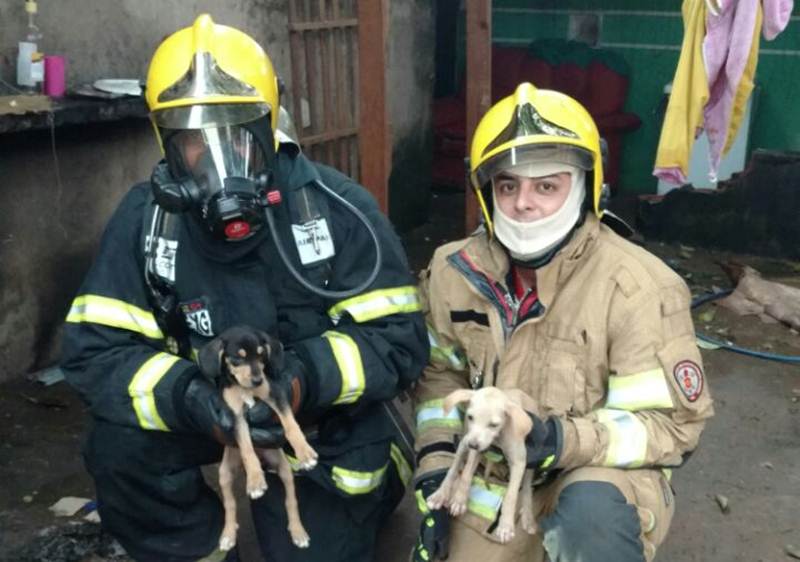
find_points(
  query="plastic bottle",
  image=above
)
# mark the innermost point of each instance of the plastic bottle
(30, 64)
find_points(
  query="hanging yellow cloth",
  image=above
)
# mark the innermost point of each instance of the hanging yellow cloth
(686, 101)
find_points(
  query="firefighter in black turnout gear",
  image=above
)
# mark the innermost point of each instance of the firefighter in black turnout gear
(232, 216)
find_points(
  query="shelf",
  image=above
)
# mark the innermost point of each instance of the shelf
(67, 111)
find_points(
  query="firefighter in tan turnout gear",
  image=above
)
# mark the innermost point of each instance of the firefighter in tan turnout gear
(548, 299)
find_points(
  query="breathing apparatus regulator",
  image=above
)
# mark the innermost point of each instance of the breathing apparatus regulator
(214, 102)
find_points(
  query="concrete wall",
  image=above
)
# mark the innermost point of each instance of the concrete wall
(48, 233)
(410, 86)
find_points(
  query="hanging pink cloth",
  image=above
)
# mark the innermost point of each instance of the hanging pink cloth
(730, 55)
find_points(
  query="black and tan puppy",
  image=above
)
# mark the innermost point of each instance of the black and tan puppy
(246, 364)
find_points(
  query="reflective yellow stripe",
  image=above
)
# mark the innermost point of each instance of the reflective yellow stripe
(627, 438)
(114, 313)
(485, 498)
(641, 391)
(493, 456)
(444, 355)
(422, 506)
(356, 482)
(431, 414)
(348, 358)
(141, 390)
(403, 469)
(381, 302)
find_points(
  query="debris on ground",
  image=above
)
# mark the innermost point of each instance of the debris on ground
(68, 506)
(768, 465)
(769, 300)
(71, 543)
(722, 501)
(792, 551)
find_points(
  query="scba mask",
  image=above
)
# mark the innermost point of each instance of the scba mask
(220, 174)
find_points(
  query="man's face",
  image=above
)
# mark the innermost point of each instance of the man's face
(526, 199)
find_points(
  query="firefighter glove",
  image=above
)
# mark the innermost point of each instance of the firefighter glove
(266, 431)
(434, 533)
(206, 412)
(544, 443)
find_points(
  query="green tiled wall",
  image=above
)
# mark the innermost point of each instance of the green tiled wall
(776, 123)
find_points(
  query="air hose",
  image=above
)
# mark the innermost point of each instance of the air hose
(337, 295)
(703, 299)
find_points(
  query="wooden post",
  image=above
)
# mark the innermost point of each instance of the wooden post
(374, 140)
(479, 84)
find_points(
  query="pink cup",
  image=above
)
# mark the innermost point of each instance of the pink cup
(54, 75)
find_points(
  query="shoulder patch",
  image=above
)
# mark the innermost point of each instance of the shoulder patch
(689, 377)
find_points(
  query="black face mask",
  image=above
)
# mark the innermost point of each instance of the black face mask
(218, 174)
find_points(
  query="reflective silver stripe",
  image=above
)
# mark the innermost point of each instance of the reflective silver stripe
(641, 391)
(627, 438)
(114, 313)
(431, 414)
(141, 390)
(485, 498)
(445, 355)
(356, 482)
(348, 359)
(381, 302)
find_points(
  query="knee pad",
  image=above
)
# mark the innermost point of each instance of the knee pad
(592, 522)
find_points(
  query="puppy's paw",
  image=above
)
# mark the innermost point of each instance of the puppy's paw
(256, 485)
(300, 537)
(458, 503)
(528, 523)
(227, 542)
(306, 457)
(438, 499)
(504, 532)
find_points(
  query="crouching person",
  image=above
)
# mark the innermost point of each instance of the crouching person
(238, 227)
(546, 298)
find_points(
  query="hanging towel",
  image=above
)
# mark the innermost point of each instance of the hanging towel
(730, 54)
(684, 115)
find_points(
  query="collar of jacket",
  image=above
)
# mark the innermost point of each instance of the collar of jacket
(493, 259)
(293, 170)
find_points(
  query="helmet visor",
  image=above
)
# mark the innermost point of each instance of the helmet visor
(534, 154)
(213, 155)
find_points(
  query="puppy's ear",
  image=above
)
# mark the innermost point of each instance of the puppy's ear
(519, 422)
(456, 397)
(273, 350)
(209, 359)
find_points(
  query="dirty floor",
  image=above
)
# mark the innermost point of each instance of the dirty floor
(749, 454)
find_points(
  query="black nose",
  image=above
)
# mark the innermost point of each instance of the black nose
(472, 444)
(257, 381)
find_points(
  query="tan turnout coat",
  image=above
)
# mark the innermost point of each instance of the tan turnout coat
(611, 352)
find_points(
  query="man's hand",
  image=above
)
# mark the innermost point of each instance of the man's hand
(543, 443)
(266, 430)
(434, 533)
(207, 413)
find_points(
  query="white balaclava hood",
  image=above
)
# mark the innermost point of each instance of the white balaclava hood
(527, 241)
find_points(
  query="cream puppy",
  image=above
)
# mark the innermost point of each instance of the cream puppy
(493, 416)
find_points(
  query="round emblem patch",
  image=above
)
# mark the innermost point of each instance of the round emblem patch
(689, 378)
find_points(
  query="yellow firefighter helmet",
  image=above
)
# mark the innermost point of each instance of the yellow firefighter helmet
(533, 125)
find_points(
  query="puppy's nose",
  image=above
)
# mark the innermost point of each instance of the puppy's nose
(472, 444)
(257, 380)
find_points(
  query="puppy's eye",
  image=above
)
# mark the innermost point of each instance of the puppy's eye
(469, 417)
(493, 425)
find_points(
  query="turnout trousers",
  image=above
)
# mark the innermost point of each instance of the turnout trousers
(153, 499)
(589, 514)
